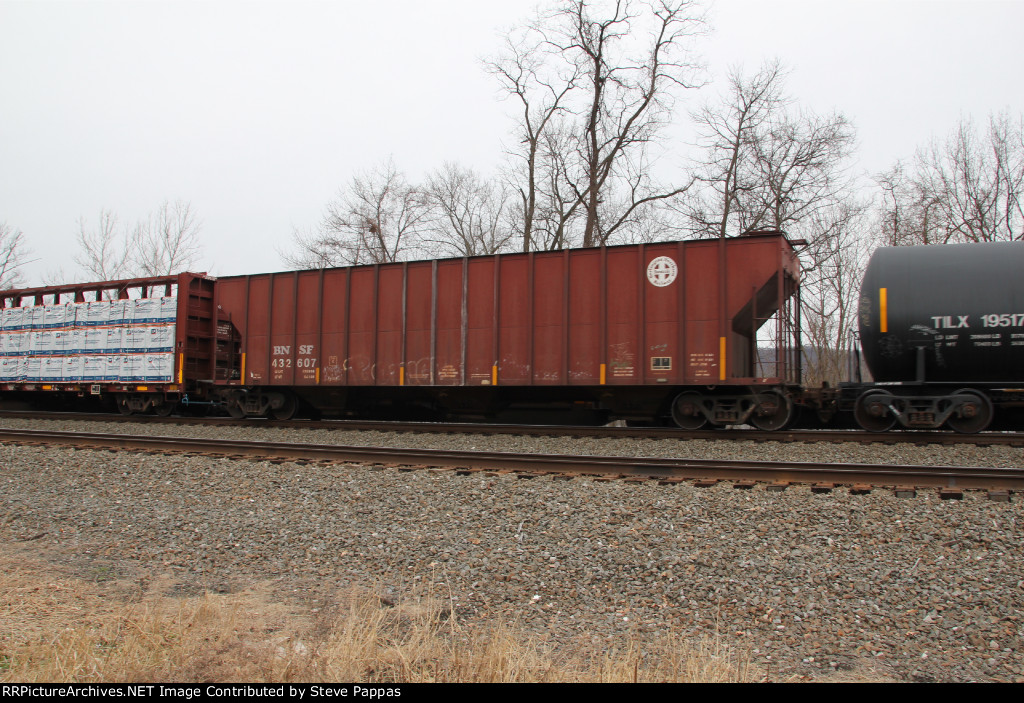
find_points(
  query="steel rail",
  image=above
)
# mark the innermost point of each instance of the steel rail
(920, 437)
(799, 472)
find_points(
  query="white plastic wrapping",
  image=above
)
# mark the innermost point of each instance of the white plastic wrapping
(12, 369)
(111, 341)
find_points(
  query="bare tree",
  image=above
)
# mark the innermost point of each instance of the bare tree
(558, 212)
(800, 188)
(833, 268)
(907, 213)
(729, 130)
(800, 162)
(102, 252)
(767, 166)
(377, 219)
(976, 182)
(12, 257)
(529, 75)
(895, 207)
(632, 58)
(57, 276)
(969, 188)
(468, 213)
(166, 243)
(313, 249)
(596, 81)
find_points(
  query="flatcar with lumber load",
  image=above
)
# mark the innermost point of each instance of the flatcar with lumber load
(142, 344)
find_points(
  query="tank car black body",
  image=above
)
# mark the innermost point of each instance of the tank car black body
(942, 334)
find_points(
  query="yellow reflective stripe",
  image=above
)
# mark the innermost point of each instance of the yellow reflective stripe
(883, 309)
(401, 375)
(243, 368)
(603, 374)
(181, 368)
(318, 374)
(494, 375)
(721, 358)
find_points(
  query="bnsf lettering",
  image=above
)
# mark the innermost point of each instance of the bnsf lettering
(281, 351)
(305, 349)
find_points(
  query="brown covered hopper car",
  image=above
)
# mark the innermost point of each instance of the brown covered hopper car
(656, 331)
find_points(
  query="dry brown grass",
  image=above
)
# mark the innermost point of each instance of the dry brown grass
(56, 627)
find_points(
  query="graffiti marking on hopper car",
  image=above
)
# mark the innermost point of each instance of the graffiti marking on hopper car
(417, 369)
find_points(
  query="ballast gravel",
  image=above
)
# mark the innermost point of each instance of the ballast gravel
(805, 584)
(999, 456)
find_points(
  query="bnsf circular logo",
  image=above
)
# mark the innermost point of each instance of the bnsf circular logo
(662, 271)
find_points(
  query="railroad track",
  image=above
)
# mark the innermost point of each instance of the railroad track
(1015, 439)
(823, 475)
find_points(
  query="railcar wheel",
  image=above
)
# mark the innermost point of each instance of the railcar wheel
(123, 406)
(287, 410)
(687, 412)
(872, 411)
(235, 408)
(164, 409)
(975, 412)
(773, 411)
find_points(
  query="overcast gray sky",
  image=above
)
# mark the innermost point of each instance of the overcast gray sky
(258, 112)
